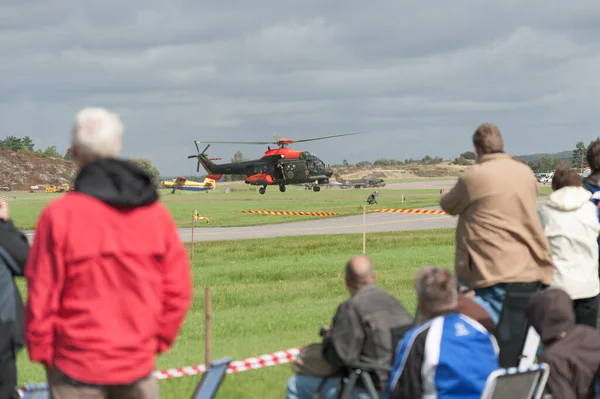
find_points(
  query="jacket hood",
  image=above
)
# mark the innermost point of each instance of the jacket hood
(569, 198)
(116, 182)
(593, 179)
(551, 314)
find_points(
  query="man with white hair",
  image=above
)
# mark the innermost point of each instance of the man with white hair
(450, 355)
(108, 277)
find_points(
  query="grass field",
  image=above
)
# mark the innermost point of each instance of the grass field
(223, 209)
(270, 295)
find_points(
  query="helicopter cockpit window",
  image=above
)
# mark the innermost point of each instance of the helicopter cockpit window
(320, 164)
(311, 165)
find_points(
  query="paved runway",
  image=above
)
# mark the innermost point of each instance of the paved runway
(376, 222)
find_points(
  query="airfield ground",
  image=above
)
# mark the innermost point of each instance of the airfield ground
(223, 209)
(271, 294)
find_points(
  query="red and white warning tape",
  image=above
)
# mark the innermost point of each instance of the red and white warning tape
(268, 360)
(251, 363)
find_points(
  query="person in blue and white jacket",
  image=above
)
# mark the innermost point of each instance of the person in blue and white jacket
(450, 355)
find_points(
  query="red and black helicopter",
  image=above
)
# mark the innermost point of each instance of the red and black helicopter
(280, 166)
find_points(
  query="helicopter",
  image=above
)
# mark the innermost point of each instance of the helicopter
(280, 166)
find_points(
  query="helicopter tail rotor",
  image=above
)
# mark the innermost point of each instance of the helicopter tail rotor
(199, 154)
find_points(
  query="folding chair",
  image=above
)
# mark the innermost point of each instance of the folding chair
(363, 371)
(212, 379)
(35, 394)
(517, 383)
(514, 335)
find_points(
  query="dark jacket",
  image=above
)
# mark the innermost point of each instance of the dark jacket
(592, 184)
(14, 249)
(108, 276)
(571, 350)
(362, 330)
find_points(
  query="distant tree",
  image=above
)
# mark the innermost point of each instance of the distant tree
(362, 164)
(346, 163)
(462, 161)
(51, 151)
(238, 157)
(579, 153)
(69, 154)
(27, 143)
(12, 143)
(469, 155)
(428, 160)
(546, 164)
(147, 166)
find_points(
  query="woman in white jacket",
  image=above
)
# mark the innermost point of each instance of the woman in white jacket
(571, 225)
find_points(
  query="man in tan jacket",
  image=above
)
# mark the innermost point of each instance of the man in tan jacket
(499, 237)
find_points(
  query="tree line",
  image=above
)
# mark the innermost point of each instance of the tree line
(26, 144)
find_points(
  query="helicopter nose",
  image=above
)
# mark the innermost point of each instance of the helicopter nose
(329, 172)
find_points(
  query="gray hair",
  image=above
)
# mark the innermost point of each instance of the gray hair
(436, 288)
(96, 134)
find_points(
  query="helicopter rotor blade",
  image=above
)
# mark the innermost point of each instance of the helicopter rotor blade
(327, 137)
(278, 138)
(196, 143)
(206, 148)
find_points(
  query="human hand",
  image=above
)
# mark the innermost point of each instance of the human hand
(4, 212)
(325, 332)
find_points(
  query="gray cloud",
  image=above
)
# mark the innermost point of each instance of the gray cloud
(418, 77)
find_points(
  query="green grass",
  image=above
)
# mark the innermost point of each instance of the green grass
(269, 295)
(223, 210)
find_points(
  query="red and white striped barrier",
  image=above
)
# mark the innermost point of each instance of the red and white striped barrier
(268, 360)
(251, 363)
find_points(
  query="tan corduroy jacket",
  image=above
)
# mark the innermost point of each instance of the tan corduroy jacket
(499, 236)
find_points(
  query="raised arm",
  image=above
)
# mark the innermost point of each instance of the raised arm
(456, 200)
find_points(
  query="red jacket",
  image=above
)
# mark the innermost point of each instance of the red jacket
(108, 281)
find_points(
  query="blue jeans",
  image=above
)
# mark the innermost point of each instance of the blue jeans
(491, 299)
(303, 387)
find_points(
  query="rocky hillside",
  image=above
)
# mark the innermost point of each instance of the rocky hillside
(444, 169)
(20, 170)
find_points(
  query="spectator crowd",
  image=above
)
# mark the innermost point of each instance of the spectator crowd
(101, 306)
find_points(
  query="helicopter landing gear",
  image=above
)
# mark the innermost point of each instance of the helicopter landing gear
(316, 189)
(282, 188)
(262, 190)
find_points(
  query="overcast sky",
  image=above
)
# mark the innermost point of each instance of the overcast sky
(418, 76)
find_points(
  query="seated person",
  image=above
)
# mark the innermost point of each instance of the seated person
(450, 355)
(571, 350)
(361, 332)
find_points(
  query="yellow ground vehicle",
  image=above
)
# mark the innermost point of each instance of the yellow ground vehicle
(60, 189)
